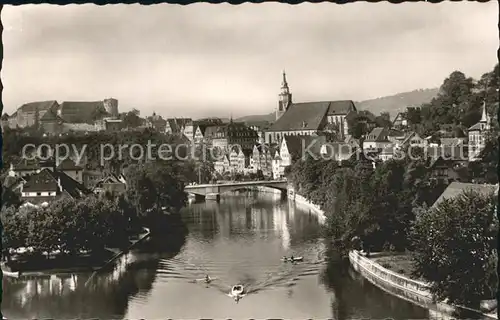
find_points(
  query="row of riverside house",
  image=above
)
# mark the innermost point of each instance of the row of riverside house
(38, 182)
(269, 147)
(264, 148)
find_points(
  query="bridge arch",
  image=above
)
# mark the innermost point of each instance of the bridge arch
(218, 189)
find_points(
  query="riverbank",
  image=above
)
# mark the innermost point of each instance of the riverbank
(38, 265)
(414, 291)
(303, 203)
(299, 200)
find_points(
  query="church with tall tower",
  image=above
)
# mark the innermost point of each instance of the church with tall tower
(477, 135)
(285, 98)
(308, 118)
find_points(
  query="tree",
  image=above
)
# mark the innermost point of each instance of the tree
(156, 185)
(455, 103)
(413, 115)
(485, 170)
(14, 231)
(357, 125)
(383, 120)
(132, 119)
(97, 114)
(333, 132)
(453, 247)
(10, 198)
(36, 123)
(44, 231)
(260, 175)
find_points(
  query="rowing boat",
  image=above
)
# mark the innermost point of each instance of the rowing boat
(205, 280)
(237, 290)
(292, 260)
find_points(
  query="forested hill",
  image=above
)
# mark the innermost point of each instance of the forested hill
(399, 102)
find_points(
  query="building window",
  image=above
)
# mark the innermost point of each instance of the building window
(38, 193)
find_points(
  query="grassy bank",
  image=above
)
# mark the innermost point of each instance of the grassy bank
(35, 263)
(403, 264)
(399, 263)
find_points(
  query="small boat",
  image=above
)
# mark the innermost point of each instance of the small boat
(206, 280)
(237, 290)
(294, 259)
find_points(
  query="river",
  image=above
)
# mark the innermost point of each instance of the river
(239, 240)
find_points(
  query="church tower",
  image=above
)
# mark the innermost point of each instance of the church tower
(485, 119)
(285, 98)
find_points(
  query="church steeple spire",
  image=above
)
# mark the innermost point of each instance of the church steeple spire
(484, 116)
(285, 98)
(284, 84)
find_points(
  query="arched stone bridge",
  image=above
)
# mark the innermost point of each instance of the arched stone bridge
(213, 191)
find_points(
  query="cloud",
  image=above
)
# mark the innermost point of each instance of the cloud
(190, 60)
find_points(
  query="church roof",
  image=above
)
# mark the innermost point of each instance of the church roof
(341, 107)
(477, 127)
(302, 116)
(484, 120)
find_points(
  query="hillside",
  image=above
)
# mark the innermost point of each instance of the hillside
(257, 118)
(392, 104)
(399, 102)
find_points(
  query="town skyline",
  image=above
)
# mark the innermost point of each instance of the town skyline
(234, 66)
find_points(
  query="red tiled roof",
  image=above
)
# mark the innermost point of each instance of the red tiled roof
(40, 105)
(27, 165)
(457, 188)
(48, 181)
(178, 124)
(476, 127)
(43, 181)
(68, 164)
(51, 115)
(378, 134)
(80, 111)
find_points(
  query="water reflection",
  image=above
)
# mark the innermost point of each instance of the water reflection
(239, 240)
(357, 298)
(87, 295)
(70, 295)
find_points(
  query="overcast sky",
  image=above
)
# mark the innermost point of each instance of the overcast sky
(206, 59)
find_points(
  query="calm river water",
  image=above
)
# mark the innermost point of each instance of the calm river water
(240, 240)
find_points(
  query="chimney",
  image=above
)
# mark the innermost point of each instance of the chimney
(59, 184)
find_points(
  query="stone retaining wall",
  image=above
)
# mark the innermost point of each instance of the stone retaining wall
(413, 291)
(302, 201)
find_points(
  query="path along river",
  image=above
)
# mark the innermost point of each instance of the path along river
(239, 240)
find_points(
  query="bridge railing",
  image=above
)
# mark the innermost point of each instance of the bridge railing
(236, 183)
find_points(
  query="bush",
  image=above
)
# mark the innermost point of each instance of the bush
(455, 248)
